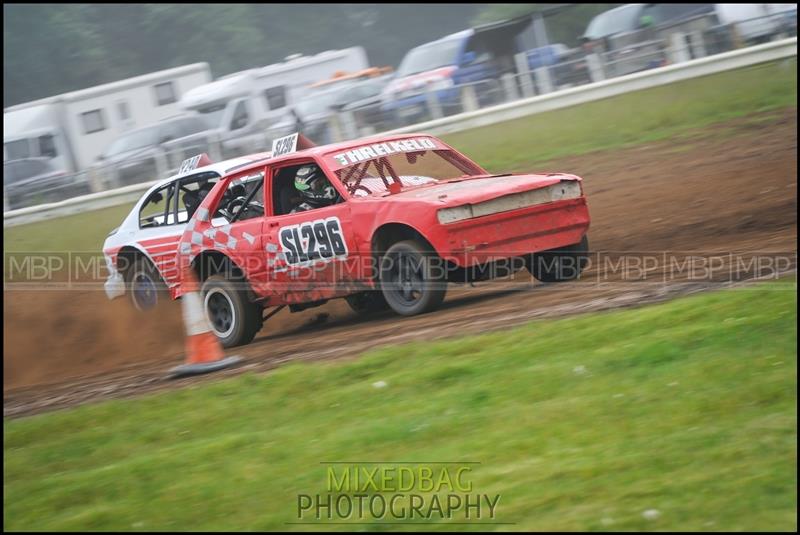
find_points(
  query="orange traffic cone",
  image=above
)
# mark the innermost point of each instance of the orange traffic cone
(203, 350)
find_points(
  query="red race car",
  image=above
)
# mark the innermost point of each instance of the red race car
(385, 222)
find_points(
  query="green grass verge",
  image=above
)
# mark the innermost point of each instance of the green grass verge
(687, 408)
(75, 233)
(642, 116)
(633, 118)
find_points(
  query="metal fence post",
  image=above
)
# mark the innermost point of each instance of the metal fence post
(334, 124)
(677, 48)
(433, 104)
(111, 177)
(524, 71)
(348, 122)
(698, 46)
(543, 80)
(595, 66)
(93, 179)
(161, 164)
(469, 101)
(510, 87)
(215, 147)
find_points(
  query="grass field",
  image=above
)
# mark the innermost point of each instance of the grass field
(680, 416)
(643, 116)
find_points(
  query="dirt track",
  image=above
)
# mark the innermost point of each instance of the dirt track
(717, 191)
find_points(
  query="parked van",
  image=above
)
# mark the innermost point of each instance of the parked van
(633, 26)
(477, 56)
(74, 128)
(242, 106)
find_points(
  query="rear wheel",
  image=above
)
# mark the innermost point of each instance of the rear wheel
(144, 284)
(408, 279)
(233, 317)
(559, 265)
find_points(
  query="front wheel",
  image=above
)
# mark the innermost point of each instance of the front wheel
(409, 279)
(559, 265)
(232, 316)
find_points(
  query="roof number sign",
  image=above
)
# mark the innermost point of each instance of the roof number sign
(190, 164)
(284, 145)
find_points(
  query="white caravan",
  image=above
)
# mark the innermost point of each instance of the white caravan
(74, 128)
(241, 107)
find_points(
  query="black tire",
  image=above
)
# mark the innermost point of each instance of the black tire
(234, 318)
(408, 279)
(368, 302)
(560, 265)
(144, 285)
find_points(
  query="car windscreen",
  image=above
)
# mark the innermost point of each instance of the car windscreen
(663, 13)
(135, 140)
(319, 102)
(623, 19)
(212, 114)
(358, 92)
(429, 57)
(16, 171)
(375, 169)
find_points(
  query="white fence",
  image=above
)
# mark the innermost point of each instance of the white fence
(703, 66)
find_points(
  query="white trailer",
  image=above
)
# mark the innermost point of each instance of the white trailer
(74, 128)
(242, 106)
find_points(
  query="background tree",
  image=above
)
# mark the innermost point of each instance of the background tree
(55, 48)
(565, 26)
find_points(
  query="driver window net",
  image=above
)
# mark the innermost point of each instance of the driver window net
(409, 169)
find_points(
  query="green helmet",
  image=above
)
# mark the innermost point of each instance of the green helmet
(313, 186)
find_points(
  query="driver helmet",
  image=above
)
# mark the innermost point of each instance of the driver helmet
(313, 186)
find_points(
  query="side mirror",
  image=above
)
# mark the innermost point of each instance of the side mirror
(469, 57)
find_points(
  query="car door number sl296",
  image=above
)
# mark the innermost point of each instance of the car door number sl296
(313, 240)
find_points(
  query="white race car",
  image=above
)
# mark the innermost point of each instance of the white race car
(141, 253)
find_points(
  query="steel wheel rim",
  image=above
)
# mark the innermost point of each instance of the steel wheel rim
(220, 312)
(406, 280)
(144, 291)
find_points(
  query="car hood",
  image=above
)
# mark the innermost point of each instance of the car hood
(39, 181)
(476, 189)
(417, 81)
(130, 155)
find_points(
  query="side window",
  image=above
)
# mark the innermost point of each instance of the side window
(155, 211)
(193, 125)
(170, 131)
(240, 116)
(318, 191)
(243, 199)
(93, 121)
(165, 93)
(47, 146)
(17, 150)
(276, 97)
(123, 111)
(191, 193)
